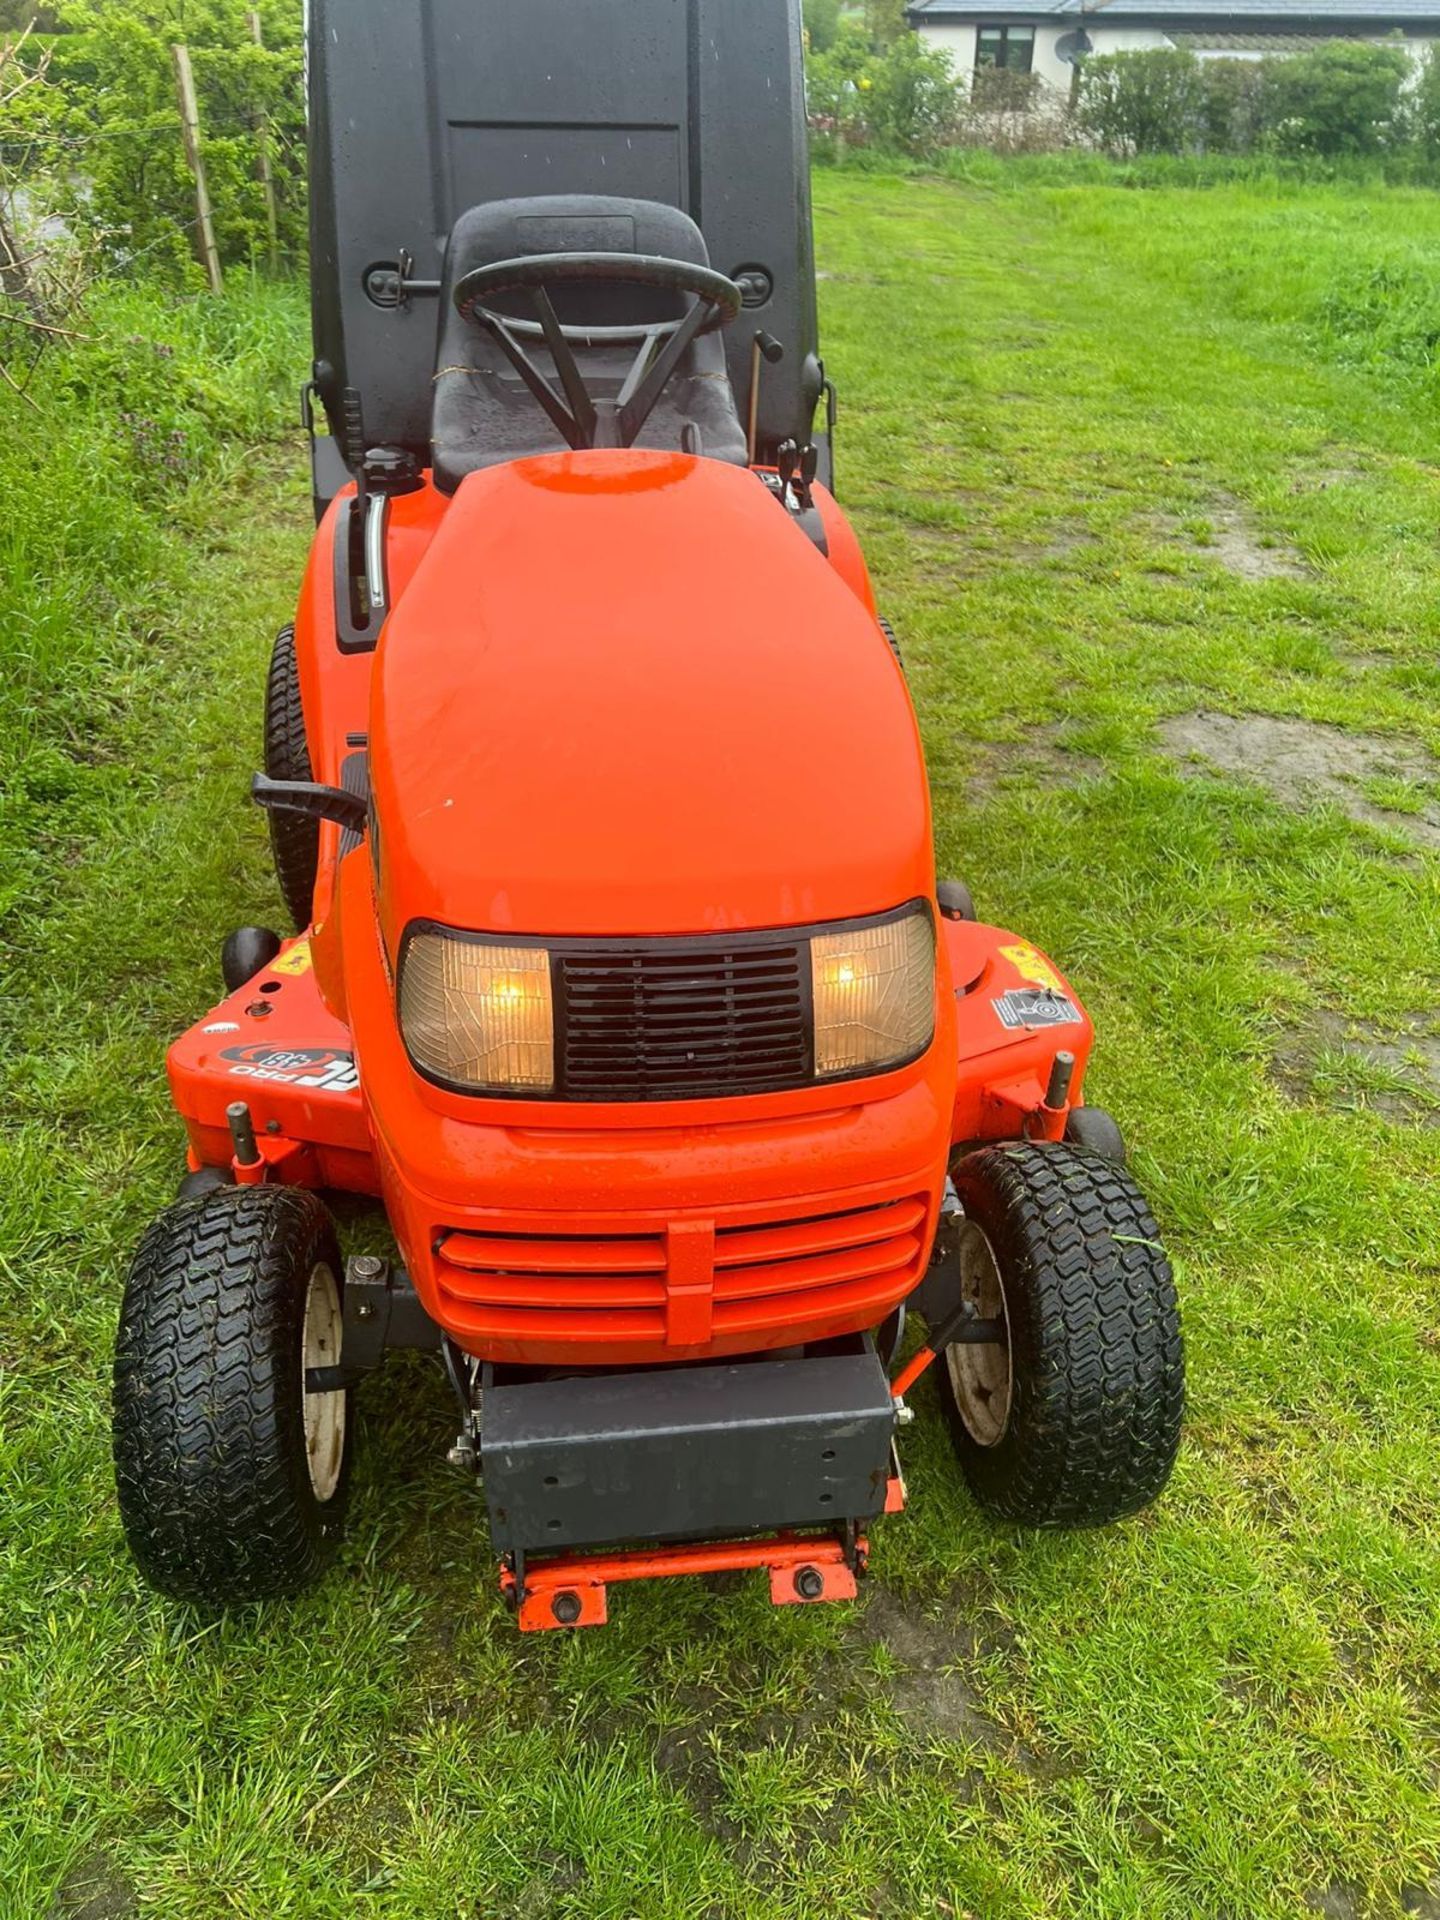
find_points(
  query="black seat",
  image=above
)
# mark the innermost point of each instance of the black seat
(482, 414)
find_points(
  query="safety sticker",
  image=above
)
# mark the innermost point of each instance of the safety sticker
(324, 1069)
(297, 960)
(1036, 1007)
(1033, 966)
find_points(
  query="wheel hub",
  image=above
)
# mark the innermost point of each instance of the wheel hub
(981, 1375)
(324, 1412)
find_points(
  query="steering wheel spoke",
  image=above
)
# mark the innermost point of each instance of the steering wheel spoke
(580, 417)
(636, 408)
(582, 408)
(559, 414)
(644, 357)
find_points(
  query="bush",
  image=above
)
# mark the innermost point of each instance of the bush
(1232, 95)
(1423, 107)
(1343, 98)
(1010, 112)
(1147, 102)
(914, 98)
(904, 97)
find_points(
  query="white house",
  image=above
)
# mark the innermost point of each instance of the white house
(1047, 38)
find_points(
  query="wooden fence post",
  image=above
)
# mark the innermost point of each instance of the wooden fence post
(190, 126)
(267, 177)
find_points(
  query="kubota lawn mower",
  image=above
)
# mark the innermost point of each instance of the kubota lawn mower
(622, 976)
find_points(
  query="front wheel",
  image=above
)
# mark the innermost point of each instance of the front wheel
(231, 1474)
(1072, 1418)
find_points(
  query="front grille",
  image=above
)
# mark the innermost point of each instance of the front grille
(677, 1021)
(613, 1287)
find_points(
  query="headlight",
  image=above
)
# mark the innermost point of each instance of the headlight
(874, 995)
(478, 1016)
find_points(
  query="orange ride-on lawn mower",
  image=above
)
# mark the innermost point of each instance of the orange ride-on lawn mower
(622, 976)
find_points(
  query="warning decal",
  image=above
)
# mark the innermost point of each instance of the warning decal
(1036, 1007)
(325, 1069)
(1033, 966)
(297, 960)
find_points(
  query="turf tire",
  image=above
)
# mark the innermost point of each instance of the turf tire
(294, 839)
(1096, 1361)
(215, 1491)
(894, 644)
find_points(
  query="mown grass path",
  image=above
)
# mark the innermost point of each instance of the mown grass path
(1137, 485)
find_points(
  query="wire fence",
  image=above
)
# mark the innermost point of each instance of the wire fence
(148, 189)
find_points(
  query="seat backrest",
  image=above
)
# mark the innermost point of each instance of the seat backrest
(573, 223)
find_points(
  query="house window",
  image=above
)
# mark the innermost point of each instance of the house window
(1012, 47)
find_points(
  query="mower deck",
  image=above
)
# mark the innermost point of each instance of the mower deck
(275, 1045)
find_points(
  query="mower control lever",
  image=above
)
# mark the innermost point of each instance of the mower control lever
(313, 798)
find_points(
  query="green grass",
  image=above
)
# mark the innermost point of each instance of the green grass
(1076, 421)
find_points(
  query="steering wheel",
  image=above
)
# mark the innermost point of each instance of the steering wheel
(580, 418)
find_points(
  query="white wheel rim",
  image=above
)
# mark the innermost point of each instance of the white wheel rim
(324, 1412)
(981, 1376)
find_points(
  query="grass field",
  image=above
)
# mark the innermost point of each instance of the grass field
(1149, 481)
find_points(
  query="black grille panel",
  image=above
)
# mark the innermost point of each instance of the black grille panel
(682, 1020)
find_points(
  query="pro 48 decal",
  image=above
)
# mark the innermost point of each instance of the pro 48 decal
(1036, 1007)
(325, 1069)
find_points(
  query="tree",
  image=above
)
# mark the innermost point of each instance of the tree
(822, 23)
(885, 22)
(117, 72)
(17, 15)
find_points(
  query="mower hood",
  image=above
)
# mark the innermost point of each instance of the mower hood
(624, 694)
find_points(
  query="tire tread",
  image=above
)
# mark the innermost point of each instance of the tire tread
(213, 1493)
(294, 839)
(1099, 1359)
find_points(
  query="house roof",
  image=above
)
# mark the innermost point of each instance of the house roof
(1278, 16)
(1275, 41)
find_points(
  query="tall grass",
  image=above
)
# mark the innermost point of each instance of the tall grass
(1295, 176)
(101, 482)
(1349, 264)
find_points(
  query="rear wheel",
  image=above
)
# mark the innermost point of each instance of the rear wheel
(1072, 1418)
(294, 838)
(232, 1478)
